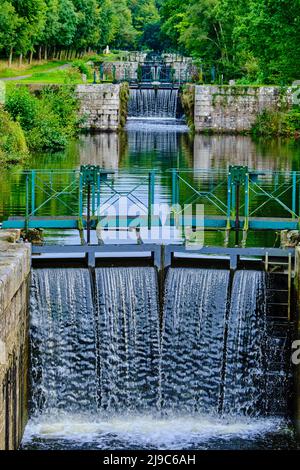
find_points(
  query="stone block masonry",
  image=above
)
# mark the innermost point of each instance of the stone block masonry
(14, 294)
(234, 109)
(100, 106)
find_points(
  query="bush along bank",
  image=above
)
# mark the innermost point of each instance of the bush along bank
(48, 118)
(279, 123)
(13, 146)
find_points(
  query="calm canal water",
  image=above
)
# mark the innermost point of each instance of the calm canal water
(160, 145)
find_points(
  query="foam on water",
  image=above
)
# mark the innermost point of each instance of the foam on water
(147, 431)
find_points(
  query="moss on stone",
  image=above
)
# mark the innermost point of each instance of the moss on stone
(124, 97)
(188, 104)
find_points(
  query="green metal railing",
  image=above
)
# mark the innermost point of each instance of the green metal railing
(233, 199)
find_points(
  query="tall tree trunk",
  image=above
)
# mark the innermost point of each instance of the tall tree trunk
(40, 53)
(10, 57)
(46, 53)
(30, 57)
(54, 52)
(20, 59)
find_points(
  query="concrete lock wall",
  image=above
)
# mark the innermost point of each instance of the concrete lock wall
(100, 106)
(297, 366)
(235, 108)
(14, 294)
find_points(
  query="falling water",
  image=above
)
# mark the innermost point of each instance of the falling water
(193, 338)
(244, 386)
(103, 378)
(152, 103)
(63, 366)
(128, 338)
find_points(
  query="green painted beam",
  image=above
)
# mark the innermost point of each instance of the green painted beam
(210, 222)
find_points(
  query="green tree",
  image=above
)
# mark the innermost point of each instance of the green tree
(87, 32)
(9, 25)
(32, 14)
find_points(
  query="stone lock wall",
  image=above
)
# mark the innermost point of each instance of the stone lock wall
(100, 106)
(14, 294)
(297, 367)
(234, 109)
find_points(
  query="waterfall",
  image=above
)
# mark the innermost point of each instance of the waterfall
(153, 103)
(107, 373)
(63, 355)
(246, 361)
(128, 338)
(193, 338)
(86, 358)
(213, 361)
(212, 357)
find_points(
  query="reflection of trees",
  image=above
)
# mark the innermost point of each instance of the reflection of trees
(216, 151)
(13, 180)
(155, 149)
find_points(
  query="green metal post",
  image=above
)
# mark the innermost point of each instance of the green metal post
(294, 193)
(80, 208)
(32, 192)
(27, 202)
(247, 194)
(151, 192)
(93, 200)
(229, 184)
(98, 192)
(233, 200)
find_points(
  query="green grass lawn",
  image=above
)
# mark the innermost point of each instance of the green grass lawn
(57, 77)
(16, 71)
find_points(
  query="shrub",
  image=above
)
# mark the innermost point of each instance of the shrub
(13, 146)
(271, 123)
(49, 120)
(83, 67)
(22, 106)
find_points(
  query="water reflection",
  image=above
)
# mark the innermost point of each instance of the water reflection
(221, 151)
(146, 144)
(101, 149)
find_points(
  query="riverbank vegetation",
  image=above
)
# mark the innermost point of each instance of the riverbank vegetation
(279, 123)
(46, 120)
(13, 146)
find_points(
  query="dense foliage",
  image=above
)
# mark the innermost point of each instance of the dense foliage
(13, 146)
(48, 120)
(254, 40)
(271, 123)
(257, 40)
(47, 27)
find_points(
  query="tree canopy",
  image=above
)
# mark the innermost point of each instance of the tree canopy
(258, 40)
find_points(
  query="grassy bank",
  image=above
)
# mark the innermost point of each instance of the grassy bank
(36, 67)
